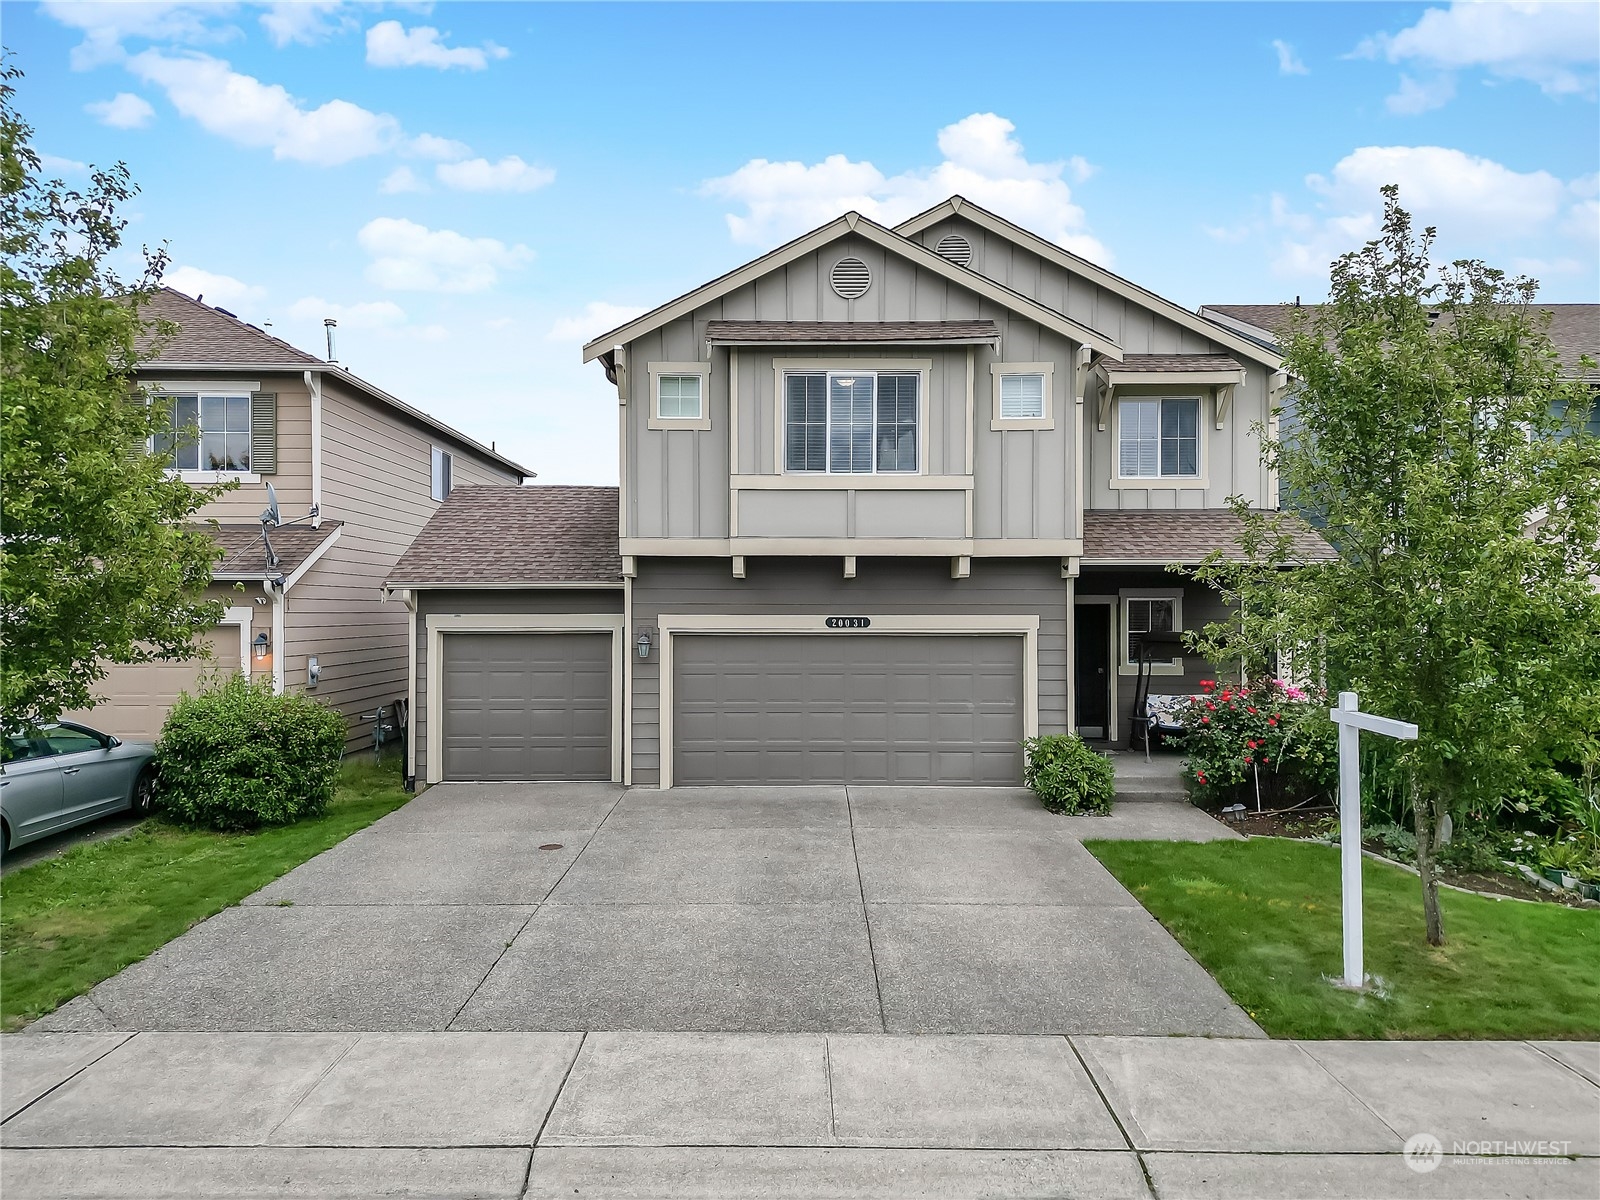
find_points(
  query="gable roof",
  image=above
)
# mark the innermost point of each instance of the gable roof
(888, 239)
(1574, 328)
(960, 206)
(209, 338)
(497, 536)
(244, 550)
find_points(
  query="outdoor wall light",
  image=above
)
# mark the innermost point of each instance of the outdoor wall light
(261, 648)
(644, 644)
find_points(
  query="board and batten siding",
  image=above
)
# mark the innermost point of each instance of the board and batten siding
(491, 602)
(882, 587)
(377, 479)
(678, 479)
(1232, 454)
(292, 480)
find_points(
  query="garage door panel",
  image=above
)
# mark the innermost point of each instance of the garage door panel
(801, 708)
(527, 706)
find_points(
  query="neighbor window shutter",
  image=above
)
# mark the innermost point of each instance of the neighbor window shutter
(264, 433)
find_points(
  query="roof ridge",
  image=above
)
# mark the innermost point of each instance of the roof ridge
(253, 330)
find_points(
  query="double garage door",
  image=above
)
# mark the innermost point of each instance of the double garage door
(847, 708)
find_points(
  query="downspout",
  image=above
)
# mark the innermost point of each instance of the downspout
(314, 386)
(280, 605)
(409, 599)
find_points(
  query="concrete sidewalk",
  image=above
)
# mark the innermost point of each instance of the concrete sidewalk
(803, 1115)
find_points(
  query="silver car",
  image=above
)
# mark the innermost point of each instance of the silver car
(66, 775)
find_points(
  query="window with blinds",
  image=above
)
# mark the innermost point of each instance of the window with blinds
(207, 433)
(1021, 397)
(1158, 437)
(851, 422)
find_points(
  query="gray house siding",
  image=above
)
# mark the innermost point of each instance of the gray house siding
(489, 601)
(883, 587)
(677, 481)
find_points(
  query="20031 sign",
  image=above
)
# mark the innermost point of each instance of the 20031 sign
(848, 622)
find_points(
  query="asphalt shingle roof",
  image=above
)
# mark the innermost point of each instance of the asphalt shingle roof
(508, 535)
(212, 336)
(1175, 536)
(819, 332)
(245, 554)
(1174, 363)
(1574, 328)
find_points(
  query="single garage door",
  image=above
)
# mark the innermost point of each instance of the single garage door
(527, 706)
(851, 708)
(139, 696)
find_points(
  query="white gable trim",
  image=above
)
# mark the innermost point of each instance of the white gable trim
(958, 206)
(853, 222)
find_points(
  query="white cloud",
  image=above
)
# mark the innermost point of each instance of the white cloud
(217, 289)
(67, 166)
(982, 162)
(1289, 63)
(1420, 96)
(401, 179)
(411, 257)
(305, 22)
(1555, 46)
(596, 317)
(391, 44)
(510, 174)
(245, 110)
(105, 24)
(371, 314)
(1481, 207)
(123, 111)
(427, 145)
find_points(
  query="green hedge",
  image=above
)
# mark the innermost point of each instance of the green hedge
(1067, 776)
(235, 756)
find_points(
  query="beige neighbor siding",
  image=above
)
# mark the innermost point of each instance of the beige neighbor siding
(492, 601)
(815, 587)
(292, 480)
(677, 482)
(134, 699)
(376, 477)
(1231, 455)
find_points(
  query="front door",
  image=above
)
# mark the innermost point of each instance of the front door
(1093, 635)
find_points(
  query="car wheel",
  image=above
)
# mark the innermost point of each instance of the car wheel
(144, 793)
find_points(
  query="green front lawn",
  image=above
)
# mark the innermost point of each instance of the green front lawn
(67, 923)
(1263, 917)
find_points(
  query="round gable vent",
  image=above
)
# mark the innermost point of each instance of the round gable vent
(850, 278)
(954, 247)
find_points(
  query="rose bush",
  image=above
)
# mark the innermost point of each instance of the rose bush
(1273, 740)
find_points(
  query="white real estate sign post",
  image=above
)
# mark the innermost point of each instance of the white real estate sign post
(1351, 721)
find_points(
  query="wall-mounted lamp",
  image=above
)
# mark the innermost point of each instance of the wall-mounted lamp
(644, 644)
(261, 653)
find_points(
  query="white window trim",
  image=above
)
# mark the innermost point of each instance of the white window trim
(450, 468)
(1046, 419)
(242, 616)
(1199, 482)
(1025, 626)
(1125, 663)
(233, 389)
(439, 624)
(654, 419)
(922, 367)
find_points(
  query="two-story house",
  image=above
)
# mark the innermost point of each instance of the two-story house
(357, 474)
(891, 501)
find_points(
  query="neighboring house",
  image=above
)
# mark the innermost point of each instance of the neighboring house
(357, 471)
(891, 501)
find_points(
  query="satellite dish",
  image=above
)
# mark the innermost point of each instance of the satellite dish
(271, 516)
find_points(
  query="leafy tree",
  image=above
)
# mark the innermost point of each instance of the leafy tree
(1446, 457)
(96, 563)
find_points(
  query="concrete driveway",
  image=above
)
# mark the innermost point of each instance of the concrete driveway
(529, 907)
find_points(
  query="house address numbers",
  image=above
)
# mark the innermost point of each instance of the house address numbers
(848, 622)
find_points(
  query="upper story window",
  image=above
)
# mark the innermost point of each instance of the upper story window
(678, 397)
(1159, 437)
(208, 432)
(441, 473)
(851, 422)
(1022, 396)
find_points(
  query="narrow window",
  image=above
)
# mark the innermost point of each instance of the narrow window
(1180, 437)
(850, 423)
(182, 439)
(678, 398)
(1140, 438)
(1021, 397)
(897, 422)
(805, 423)
(441, 473)
(1143, 616)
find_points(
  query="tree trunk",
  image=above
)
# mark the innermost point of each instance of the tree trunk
(1425, 820)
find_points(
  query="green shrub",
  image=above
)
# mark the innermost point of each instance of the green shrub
(1272, 741)
(235, 756)
(1067, 776)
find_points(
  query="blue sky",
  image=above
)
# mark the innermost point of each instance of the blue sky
(475, 189)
